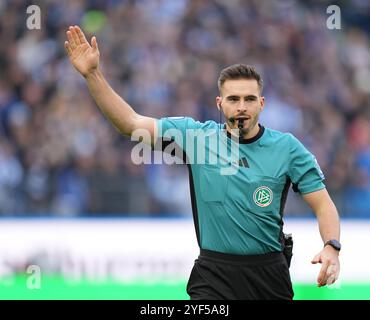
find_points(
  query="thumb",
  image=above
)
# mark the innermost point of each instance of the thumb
(316, 259)
(94, 43)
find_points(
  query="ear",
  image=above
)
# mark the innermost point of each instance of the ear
(262, 103)
(218, 102)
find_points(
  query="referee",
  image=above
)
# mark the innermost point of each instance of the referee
(238, 217)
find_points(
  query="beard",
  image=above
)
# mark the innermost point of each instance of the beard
(252, 123)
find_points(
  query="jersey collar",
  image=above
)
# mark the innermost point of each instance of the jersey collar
(250, 140)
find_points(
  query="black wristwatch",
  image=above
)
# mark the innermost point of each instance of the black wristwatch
(334, 243)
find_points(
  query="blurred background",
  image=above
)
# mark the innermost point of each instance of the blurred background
(59, 157)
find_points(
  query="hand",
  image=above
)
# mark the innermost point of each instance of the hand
(83, 56)
(330, 266)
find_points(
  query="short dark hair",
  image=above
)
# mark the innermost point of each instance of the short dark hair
(239, 71)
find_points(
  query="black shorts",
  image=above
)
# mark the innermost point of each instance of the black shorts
(219, 276)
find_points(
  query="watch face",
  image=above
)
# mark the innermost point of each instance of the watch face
(335, 244)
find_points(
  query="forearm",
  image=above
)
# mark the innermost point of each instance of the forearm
(328, 220)
(114, 108)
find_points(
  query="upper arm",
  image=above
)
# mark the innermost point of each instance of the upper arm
(149, 129)
(169, 128)
(145, 129)
(304, 171)
(180, 131)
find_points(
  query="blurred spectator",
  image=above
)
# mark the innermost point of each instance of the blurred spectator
(58, 155)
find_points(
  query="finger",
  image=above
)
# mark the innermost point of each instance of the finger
(336, 276)
(75, 36)
(67, 47)
(72, 41)
(336, 273)
(331, 270)
(321, 279)
(94, 43)
(81, 35)
(72, 44)
(331, 274)
(316, 259)
(331, 279)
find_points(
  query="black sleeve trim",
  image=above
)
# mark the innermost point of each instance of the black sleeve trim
(161, 145)
(295, 187)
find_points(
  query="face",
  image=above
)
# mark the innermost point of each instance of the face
(241, 99)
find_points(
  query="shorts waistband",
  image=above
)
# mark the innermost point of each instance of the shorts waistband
(271, 257)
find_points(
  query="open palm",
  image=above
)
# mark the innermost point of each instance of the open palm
(83, 56)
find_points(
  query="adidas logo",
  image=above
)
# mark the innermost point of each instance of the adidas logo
(242, 162)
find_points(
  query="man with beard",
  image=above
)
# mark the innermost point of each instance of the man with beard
(238, 214)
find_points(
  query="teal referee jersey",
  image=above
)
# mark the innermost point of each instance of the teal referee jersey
(239, 188)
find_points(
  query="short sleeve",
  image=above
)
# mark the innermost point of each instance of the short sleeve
(175, 131)
(304, 170)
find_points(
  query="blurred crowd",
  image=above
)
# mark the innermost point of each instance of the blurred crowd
(59, 156)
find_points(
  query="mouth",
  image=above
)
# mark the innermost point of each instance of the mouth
(242, 118)
(241, 121)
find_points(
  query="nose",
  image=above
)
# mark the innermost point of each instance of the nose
(242, 106)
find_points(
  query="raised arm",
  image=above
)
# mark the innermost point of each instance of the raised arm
(85, 58)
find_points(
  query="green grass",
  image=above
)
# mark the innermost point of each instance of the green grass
(58, 288)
